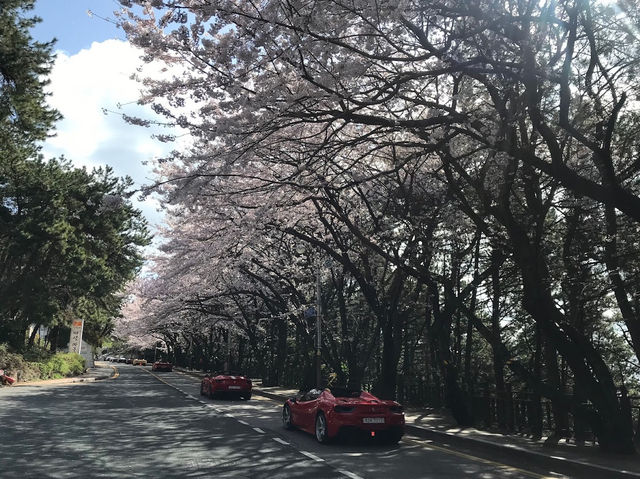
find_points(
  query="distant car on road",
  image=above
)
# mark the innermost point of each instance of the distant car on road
(139, 362)
(122, 359)
(226, 384)
(162, 366)
(338, 410)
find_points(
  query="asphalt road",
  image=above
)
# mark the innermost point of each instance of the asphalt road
(156, 425)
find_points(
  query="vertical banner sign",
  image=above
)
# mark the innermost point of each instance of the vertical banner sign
(76, 336)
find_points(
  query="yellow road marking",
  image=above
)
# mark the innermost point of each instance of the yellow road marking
(160, 379)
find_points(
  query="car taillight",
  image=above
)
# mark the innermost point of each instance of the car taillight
(396, 409)
(340, 408)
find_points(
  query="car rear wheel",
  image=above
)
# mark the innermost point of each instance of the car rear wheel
(202, 391)
(321, 429)
(246, 396)
(286, 417)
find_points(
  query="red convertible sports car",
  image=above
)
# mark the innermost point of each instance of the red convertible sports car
(216, 385)
(162, 366)
(333, 411)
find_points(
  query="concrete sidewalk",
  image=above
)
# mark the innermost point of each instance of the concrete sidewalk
(99, 372)
(436, 425)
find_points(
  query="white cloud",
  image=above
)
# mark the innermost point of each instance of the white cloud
(82, 87)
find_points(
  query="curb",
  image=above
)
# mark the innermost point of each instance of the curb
(72, 380)
(559, 464)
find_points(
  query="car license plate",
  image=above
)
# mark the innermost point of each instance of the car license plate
(373, 420)
(234, 387)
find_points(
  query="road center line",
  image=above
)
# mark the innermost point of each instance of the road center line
(257, 429)
(312, 456)
(243, 422)
(349, 474)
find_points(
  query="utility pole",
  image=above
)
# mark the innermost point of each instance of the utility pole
(227, 361)
(318, 329)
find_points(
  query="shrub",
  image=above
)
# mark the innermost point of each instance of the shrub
(45, 365)
(16, 366)
(62, 365)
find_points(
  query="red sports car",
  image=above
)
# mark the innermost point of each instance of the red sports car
(219, 384)
(333, 411)
(162, 366)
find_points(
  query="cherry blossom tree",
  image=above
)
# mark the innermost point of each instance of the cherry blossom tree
(438, 152)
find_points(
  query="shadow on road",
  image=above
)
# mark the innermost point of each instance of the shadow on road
(133, 427)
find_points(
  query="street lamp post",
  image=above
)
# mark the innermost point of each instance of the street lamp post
(301, 249)
(318, 329)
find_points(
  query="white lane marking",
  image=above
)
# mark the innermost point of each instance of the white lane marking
(243, 422)
(189, 396)
(349, 474)
(308, 454)
(312, 456)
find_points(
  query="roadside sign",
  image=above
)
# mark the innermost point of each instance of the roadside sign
(75, 341)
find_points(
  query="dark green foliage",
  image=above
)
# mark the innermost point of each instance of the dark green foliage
(24, 64)
(69, 238)
(69, 242)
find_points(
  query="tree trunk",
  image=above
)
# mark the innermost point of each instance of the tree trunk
(610, 423)
(389, 371)
(559, 406)
(32, 336)
(535, 415)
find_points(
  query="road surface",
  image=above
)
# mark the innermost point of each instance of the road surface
(156, 425)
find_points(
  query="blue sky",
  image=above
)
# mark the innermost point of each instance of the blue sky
(91, 76)
(68, 21)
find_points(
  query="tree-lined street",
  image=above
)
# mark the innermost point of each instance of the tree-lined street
(427, 204)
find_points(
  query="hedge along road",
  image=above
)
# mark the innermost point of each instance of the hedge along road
(412, 458)
(135, 426)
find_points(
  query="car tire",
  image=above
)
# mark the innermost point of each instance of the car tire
(322, 435)
(246, 396)
(287, 423)
(202, 391)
